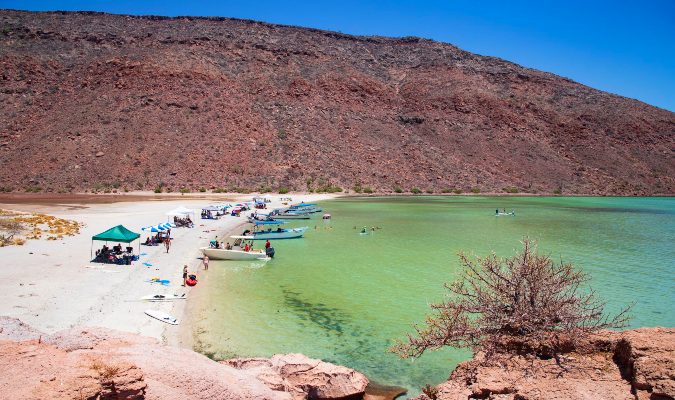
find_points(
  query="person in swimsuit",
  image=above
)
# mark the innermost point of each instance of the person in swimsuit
(205, 261)
(185, 274)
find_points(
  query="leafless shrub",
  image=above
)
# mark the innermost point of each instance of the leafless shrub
(525, 304)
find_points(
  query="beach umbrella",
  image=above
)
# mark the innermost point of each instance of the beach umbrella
(165, 226)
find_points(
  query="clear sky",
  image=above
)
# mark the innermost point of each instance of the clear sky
(623, 47)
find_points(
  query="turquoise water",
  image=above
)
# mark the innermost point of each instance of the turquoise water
(343, 297)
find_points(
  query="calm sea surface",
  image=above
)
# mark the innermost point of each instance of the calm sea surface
(342, 297)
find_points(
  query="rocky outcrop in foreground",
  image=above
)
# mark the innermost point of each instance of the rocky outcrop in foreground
(96, 363)
(635, 365)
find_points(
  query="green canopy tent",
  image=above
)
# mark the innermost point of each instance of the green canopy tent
(116, 234)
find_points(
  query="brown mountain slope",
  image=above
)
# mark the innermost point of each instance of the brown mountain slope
(91, 99)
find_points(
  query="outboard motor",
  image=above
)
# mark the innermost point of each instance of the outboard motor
(269, 252)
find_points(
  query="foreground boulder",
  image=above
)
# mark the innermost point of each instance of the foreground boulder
(96, 363)
(304, 377)
(638, 364)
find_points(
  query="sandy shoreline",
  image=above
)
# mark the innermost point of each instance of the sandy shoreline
(53, 286)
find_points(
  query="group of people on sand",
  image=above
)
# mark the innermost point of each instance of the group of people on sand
(115, 255)
(185, 221)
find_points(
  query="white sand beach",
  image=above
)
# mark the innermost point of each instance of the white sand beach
(52, 285)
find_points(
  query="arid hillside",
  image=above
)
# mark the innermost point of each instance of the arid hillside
(94, 101)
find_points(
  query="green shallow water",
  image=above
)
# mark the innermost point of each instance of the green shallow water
(343, 297)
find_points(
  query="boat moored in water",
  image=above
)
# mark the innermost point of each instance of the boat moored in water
(271, 234)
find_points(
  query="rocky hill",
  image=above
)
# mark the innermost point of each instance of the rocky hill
(91, 101)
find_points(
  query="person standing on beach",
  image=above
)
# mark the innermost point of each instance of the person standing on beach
(205, 261)
(185, 274)
(267, 245)
(167, 243)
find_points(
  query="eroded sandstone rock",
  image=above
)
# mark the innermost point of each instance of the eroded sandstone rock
(637, 364)
(304, 377)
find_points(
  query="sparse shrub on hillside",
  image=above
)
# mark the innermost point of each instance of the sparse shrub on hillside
(398, 190)
(357, 188)
(219, 190)
(264, 189)
(511, 189)
(430, 191)
(475, 190)
(526, 303)
(184, 190)
(458, 191)
(368, 190)
(415, 191)
(202, 189)
(281, 134)
(446, 190)
(327, 189)
(33, 189)
(557, 191)
(158, 189)
(283, 190)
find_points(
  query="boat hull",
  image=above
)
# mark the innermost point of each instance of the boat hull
(235, 255)
(291, 233)
(291, 216)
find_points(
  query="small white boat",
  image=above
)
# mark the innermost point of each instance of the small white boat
(502, 214)
(162, 316)
(164, 297)
(234, 254)
(272, 234)
(292, 216)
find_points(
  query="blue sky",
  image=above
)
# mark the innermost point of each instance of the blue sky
(623, 47)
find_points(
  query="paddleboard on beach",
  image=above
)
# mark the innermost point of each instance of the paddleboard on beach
(164, 297)
(162, 316)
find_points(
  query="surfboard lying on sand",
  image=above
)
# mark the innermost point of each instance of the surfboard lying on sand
(164, 297)
(162, 316)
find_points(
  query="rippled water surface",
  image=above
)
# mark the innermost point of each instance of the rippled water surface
(342, 297)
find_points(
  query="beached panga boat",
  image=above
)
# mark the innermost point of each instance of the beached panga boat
(236, 253)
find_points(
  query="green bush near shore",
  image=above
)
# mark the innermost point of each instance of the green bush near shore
(283, 190)
(415, 191)
(475, 190)
(184, 190)
(398, 190)
(219, 190)
(458, 191)
(511, 189)
(33, 189)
